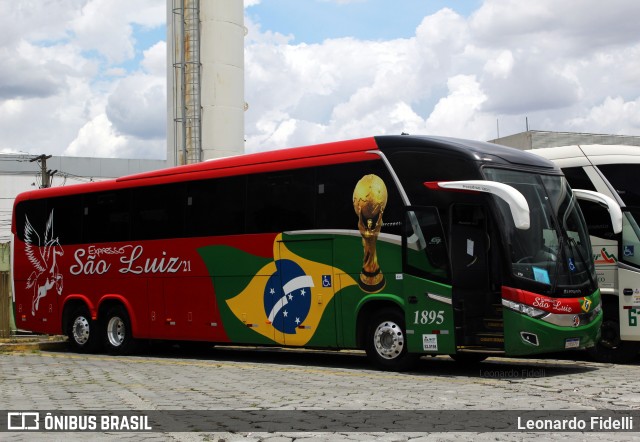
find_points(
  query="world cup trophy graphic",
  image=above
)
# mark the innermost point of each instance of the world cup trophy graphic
(369, 202)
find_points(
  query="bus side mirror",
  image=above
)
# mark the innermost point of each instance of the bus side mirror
(517, 202)
(614, 209)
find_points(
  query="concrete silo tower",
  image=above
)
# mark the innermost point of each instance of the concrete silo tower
(205, 79)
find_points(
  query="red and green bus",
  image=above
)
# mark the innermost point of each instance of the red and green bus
(399, 245)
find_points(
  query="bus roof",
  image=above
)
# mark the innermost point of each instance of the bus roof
(473, 150)
(585, 155)
(308, 156)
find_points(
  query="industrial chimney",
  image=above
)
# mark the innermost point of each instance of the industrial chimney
(205, 80)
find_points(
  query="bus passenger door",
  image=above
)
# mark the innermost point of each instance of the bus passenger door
(303, 313)
(478, 314)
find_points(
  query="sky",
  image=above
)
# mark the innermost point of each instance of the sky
(88, 77)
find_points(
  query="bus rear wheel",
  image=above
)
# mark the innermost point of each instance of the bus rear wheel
(82, 331)
(385, 344)
(118, 338)
(611, 348)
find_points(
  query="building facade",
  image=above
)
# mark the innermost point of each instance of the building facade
(536, 139)
(20, 173)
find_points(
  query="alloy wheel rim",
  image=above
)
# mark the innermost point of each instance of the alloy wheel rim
(81, 330)
(116, 331)
(388, 340)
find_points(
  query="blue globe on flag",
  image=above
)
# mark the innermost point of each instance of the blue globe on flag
(287, 296)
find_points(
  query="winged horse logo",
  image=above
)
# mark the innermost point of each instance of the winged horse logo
(42, 256)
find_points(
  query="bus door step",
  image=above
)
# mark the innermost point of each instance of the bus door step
(484, 350)
(493, 324)
(493, 340)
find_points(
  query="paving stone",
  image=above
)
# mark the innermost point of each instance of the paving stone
(231, 379)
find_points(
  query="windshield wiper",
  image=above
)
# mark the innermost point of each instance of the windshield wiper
(556, 270)
(574, 246)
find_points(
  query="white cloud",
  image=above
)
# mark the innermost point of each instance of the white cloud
(500, 66)
(67, 83)
(460, 112)
(61, 78)
(561, 65)
(97, 138)
(106, 26)
(137, 107)
(346, 88)
(155, 60)
(613, 115)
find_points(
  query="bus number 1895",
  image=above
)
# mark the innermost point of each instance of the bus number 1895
(428, 317)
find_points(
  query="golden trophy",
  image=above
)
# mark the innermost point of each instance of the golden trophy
(369, 202)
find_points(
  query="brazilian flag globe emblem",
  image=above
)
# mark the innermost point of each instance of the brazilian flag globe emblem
(287, 296)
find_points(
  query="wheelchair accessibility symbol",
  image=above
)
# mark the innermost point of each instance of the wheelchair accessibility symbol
(628, 251)
(326, 280)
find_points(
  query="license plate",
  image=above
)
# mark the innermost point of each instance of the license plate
(572, 343)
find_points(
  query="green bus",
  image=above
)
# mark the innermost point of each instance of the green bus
(399, 245)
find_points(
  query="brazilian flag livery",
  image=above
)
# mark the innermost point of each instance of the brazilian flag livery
(286, 297)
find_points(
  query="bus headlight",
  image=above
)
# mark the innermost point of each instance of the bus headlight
(523, 308)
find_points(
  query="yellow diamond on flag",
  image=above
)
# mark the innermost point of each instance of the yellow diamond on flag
(286, 299)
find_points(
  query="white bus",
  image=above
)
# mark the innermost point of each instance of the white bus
(615, 172)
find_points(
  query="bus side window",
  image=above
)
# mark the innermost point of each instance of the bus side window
(630, 253)
(432, 261)
(158, 212)
(334, 204)
(67, 218)
(598, 219)
(280, 201)
(623, 179)
(216, 207)
(35, 212)
(335, 185)
(107, 216)
(578, 178)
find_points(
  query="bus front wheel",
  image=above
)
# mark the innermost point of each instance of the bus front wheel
(611, 348)
(118, 338)
(82, 331)
(386, 344)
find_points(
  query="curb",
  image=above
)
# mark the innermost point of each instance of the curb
(15, 346)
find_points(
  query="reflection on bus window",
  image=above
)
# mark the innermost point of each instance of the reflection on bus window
(631, 237)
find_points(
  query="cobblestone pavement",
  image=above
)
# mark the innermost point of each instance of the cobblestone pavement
(232, 378)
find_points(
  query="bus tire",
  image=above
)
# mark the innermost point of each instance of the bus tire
(386, 344)
(118, 338)
(82, 331)
(611, 348)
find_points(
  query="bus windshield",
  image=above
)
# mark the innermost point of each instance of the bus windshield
(555, 251)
